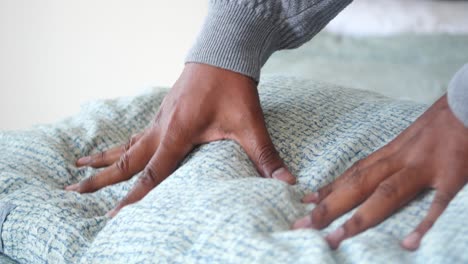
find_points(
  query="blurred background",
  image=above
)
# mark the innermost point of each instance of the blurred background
(57, 54)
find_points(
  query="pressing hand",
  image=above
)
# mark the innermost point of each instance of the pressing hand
(205, 104)
(430, 154)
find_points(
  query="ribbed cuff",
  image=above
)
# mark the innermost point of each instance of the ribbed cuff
(458, 95)
(235, 38)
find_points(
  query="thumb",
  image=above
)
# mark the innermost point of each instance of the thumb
(261, 151)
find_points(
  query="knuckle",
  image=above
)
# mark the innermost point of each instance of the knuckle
(319, 214)
(130, 142)
(387, 190)
(266, 155)
(357, 180)
(134, 139)
(150, 177)
(323, 209)
(442, 199)
(359, 186)
(324, 192)
(357, 221)
(126, 146)
(102, 155)
(354, 224)
(360, 191)
(124, 163)
(355, 175)
(88, 185)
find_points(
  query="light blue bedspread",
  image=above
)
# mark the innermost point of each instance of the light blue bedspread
(409, 66)
(214, 208)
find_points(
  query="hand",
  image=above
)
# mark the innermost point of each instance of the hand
(431, 153)
(205, 104)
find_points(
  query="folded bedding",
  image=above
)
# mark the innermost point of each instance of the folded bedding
(214, 208)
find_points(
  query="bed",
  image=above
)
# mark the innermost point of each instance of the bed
(215, 208)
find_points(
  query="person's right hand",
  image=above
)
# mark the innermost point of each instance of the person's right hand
(206, 104)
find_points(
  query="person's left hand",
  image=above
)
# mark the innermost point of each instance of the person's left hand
(431, 153)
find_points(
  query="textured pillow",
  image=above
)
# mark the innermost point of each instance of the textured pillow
(214, 208)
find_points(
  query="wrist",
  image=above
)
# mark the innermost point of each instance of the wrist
(235, 38)
(210, 77)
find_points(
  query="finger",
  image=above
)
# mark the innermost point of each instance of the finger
(395, 145)
(389, 196)
(360, 185)
(130, 163)
(323, 192)
(108, 157)
(440, 202)
(101, 159)
(382, 153)
(161, 165)
(351, 174)
(261, 151)
(380, 157)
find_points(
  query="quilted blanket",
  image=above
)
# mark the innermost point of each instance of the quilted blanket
(214, 208)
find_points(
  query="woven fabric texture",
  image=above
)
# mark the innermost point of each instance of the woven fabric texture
(214, 208)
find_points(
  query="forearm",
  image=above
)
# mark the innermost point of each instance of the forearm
(240, 35)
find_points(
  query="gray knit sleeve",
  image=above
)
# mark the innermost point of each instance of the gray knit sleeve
(240, 35)
(458, 95)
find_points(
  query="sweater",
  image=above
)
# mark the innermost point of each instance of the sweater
(240, 35)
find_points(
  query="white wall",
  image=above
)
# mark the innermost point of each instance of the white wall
(57, 54)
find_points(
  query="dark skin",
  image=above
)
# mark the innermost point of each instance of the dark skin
(208, 104)
(432, 153)
(205, 104)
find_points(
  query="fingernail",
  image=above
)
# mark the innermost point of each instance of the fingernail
(305, 222)
(310, 198)
(412, 241)
(72, 188)
(334, 239)
(83, 161)
(283, 174)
